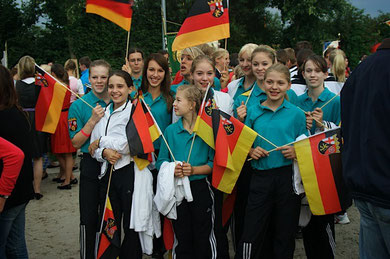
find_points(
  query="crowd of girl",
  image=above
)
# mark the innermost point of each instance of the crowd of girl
(259, 93)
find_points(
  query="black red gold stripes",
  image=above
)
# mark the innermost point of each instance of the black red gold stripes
(117, 11)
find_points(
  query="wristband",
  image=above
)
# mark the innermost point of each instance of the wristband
(85, 134)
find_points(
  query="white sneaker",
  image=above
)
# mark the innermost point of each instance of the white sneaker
(341, 219)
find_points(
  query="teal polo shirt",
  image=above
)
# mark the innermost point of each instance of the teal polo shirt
(137, 82)
(259, 96)
(280, 127)
(179, 140)
(331, 112)
(160, 113)
(79, 114)
(241, 89)
(217, 85)
(174, 87)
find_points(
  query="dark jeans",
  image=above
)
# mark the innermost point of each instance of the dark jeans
(12, 234)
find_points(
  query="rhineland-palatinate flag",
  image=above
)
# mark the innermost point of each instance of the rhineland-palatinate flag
(50, 100)
(117, 11)
(142, 130)
(207, 21)
(319, 161)
(233, 140)
(110, 243)
(203, 124)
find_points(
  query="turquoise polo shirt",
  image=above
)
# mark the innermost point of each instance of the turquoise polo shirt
(280, 127)
(259, 96)
(174, 87)
(79, 114)
(137, 82)
(217, 85)
(179, 140)
(241, 89)
(331, 112)
(160, 113)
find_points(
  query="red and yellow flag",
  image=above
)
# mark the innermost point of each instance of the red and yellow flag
(207, 21)
(319, 160)
(387, 22)
(233, 140)
(50, 101)
(109, 245)
(203, 124)
(116, 11)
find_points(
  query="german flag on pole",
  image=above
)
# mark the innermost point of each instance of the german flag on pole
(50, 100)
(109, 245)
(233, 140)
(207, 21)
(319, 161)
(203, 124)
(116, 11)
(141, 130)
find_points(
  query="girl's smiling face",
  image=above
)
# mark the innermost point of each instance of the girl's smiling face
(260, 63)
(155, 74)
(118, 90)
(203, 75)
(313, 75)
(276, 86)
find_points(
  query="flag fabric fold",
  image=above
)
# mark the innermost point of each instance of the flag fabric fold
(233, 140)
(203, 125)
(319, 161)
(141, 131)
(50, 101)
(117, 11)
(110, 243)
(207, 21)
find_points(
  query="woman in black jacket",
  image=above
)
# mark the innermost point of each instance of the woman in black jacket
(15, 128)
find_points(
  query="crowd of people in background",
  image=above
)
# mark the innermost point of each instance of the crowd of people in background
(280, 94)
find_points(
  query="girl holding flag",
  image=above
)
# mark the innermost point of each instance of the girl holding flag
(194, 230)
(262, 58)
(244, 84)
(320, 104)
(156, 84)
(109, 146)
(273, 208)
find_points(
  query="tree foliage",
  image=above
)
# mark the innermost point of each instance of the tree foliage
(55, 30)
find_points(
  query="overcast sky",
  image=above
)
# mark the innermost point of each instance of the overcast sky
(372, 6)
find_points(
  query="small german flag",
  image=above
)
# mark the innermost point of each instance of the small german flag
(319, 161)
(116, 11)
(207, 21)
(50, 100)
(109, 245)
(141, 130)
(203, 124)
(233, 140)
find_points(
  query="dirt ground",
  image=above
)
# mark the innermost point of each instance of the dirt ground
(52, 226)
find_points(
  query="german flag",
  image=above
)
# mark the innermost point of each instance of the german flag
(319, 160)
(116, 11)
(50, 100)
(141, 131)
(233, 140)
(203, 124)
(207, 21)
(109, 245)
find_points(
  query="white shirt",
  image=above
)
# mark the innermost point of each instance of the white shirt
(111, 129)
